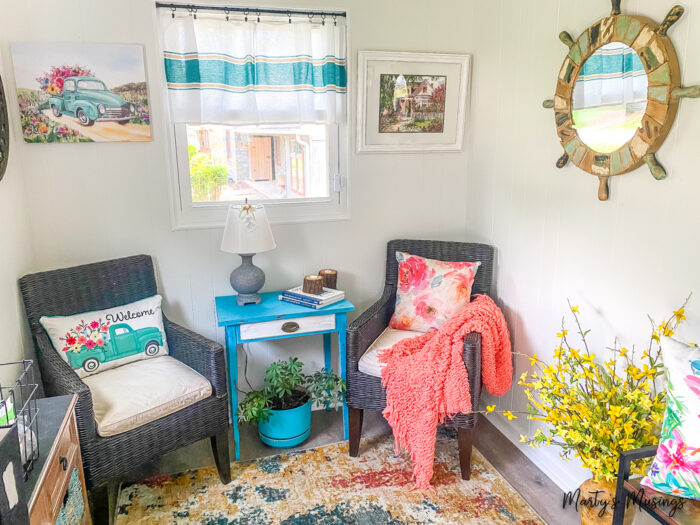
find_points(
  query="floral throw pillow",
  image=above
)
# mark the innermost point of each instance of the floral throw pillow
(430, 292)
(92, 342)
(676, 467)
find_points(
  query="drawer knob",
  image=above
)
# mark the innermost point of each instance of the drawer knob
(290, 327)
(64, 463)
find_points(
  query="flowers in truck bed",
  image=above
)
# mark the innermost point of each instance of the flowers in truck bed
(86, 335)
(52, 81)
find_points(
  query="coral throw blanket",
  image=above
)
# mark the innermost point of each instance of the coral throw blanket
(426, 380)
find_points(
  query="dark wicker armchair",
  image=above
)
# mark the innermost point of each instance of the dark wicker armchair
(365, 392)
(104, 285)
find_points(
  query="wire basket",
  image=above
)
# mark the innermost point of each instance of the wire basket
(18, 407)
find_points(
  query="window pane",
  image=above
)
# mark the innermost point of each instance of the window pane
(232, 163)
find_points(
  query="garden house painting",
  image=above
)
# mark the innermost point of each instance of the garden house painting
(412, 103)
(81, 92)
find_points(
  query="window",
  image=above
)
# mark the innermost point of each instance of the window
(258, 112)
(260, 163)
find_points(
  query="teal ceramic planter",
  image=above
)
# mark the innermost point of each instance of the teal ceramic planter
(287, 428)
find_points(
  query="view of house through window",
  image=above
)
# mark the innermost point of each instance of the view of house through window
(232, 163)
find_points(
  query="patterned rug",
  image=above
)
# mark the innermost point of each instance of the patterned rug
(327, 487)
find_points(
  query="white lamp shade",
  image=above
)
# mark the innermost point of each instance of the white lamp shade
(247, 231)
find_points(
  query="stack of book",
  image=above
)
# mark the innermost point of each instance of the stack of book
(298, 296)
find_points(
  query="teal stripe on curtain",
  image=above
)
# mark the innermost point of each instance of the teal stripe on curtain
(625, 62)
(288, 74)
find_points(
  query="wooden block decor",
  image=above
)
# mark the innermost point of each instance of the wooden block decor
(330, 278)
(313, 284)
(658, 57)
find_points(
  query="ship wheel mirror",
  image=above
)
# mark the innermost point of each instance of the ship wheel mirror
(617, 95)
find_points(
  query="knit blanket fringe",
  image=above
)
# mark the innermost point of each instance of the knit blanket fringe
(426, 380)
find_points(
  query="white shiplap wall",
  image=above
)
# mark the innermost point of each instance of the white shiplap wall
(16, 257)
(633, 255)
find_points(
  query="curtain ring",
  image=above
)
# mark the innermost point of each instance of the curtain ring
(289, 14)
(226, 11)
(311, 18)
(258, 15)
(195, 12)
(245, 13)
(323, 19)
(335, 20)
(172, 11)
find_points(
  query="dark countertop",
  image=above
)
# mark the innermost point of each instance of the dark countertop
(50, 415)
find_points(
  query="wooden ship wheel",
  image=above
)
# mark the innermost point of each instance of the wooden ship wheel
(4, 132)
(608, 134)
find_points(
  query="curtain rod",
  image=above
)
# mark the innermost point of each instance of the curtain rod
(193, 8)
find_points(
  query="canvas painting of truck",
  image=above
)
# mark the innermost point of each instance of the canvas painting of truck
(81, 92)
(89, 345)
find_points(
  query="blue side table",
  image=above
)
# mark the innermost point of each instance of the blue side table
(275, 319)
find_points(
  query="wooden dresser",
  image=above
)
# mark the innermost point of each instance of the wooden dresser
(57, 479)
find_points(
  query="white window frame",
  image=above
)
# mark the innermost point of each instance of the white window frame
(186, 215)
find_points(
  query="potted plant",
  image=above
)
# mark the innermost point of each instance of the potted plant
(282, 408)
(594, 411)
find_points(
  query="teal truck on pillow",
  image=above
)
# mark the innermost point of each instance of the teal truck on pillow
(88, 100)
(123, 341)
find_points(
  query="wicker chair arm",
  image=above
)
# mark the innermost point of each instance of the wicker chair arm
(199, 353)
(367, 327)
(60, 379)
(472, 361)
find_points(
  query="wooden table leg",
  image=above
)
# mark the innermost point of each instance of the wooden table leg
(232, 354)
(327, 357)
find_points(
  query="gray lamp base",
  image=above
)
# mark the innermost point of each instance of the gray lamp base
(247, 280)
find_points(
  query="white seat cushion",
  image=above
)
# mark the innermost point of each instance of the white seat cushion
(369, 362)
(132, 395)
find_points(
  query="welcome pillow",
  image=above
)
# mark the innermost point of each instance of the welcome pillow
(93, 342)
(676, 467)
(430, 291)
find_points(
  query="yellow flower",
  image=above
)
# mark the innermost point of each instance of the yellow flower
(490, 408)
(510, 415)
(523, 377)
(623, 351)
(574, 309)
(562, 334)
(679, 314)
(523, 438)
(533, 359)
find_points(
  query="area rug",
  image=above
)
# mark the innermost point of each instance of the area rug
(327, 487)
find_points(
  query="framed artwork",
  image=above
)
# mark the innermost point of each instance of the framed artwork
(411, 102)
(78, 92)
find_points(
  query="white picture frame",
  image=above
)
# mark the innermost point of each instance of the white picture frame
(378, 131)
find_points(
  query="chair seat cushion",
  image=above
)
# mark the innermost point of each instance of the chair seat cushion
(135, 394)
(369, 362)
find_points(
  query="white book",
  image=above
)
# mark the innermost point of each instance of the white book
(328, 294)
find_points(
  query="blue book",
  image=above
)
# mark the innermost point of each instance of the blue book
(301, 302)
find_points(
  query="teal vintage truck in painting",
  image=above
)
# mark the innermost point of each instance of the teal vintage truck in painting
(88, 100)
(123, 341)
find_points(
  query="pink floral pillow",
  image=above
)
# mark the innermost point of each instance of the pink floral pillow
(430, 292)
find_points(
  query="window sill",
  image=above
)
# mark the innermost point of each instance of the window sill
(214, 216)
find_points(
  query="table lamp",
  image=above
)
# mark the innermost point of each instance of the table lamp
(247, 232)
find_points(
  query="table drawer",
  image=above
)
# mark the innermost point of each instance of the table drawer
(299, 325)
(60, 465)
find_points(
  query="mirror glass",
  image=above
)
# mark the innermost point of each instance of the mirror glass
(610, 97)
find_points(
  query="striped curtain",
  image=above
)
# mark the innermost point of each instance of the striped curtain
(271, 71)
(613, 75)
